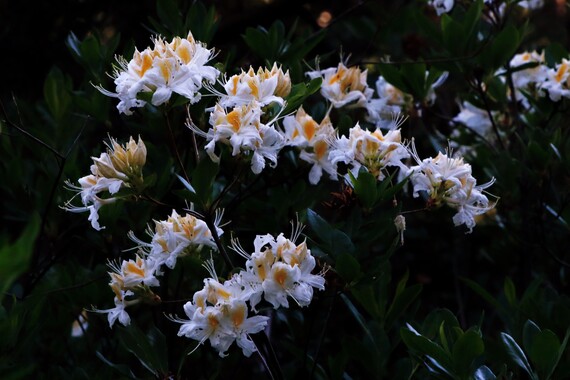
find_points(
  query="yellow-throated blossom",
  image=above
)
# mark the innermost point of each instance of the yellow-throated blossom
(130, 281)
(278, 269)
(178, 66)
(344, 86)
(120, 167)
(219, 313)
(557, 83)
(448, 180)
(241, 127)
(262, 86)
(313, 139)
(371, 150)
(176, 236)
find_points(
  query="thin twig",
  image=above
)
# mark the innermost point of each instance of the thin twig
(26, 133)
(175, 148)
(489, 113)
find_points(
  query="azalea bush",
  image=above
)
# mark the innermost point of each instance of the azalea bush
(373, 191)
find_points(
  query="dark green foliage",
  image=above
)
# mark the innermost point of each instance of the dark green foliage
(426, 302)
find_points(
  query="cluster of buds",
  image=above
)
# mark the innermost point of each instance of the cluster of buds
(175, 67)
(120, 167)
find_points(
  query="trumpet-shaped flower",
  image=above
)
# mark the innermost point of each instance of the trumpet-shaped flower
(313, 140)
(448, 180)
(372, 150)
(264, 87)
(218, 313)
(557, 81)
(242, 129)
(476, 119)
(178, 67)
(178, 235)
(344, 86)
(278, 269)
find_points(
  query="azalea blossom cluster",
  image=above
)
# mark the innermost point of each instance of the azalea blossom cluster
(313, 140)
(130, 281)
(531, 78)
(348, 87)
(179, 66)
(448, 180)
(445, 6)
(240, 118)
(277, 270)
(371, 150)
(120, 167)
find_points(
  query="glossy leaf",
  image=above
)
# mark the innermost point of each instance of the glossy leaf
(516, 354)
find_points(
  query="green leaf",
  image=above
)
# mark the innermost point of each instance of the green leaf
(466, 349)
(453, 34)
(123, 369)
(530, 331)
(366, 297)
(203, 179)
(516, 354)
(151, 350)
(423, 346)
(501, 49)
(356, 314)
(485, 294)
(170, 16)
(300, 92)
(471, 18)
(484, 373)
(319, 226)
(15, 258)
(57, 93)
(201, 21)
(336, 242)
(347, 266)
(364, 187)
(543, 351)
(553, 54)
(401, 302)
(391, 73)
(510, 292)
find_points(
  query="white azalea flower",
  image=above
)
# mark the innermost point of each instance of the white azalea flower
(475, 119)
(313, 140)
(176, 236)
(344, 86)
(448, 180)
(442, 6)
(556, 83)
(175, 67)
(242, 129)
(373, 150)
(264, 87)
